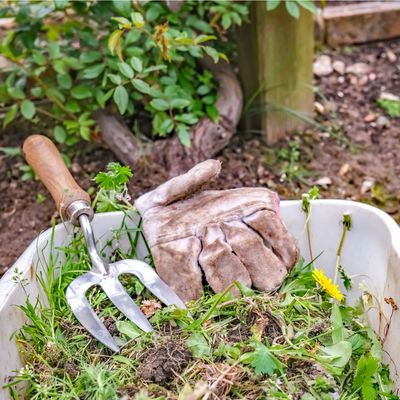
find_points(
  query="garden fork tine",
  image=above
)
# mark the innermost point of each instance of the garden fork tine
(73, 204)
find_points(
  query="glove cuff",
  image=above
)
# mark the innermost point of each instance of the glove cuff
(179, 187)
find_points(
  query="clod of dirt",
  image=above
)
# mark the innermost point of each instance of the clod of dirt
(128, 391)
(318, 328)
(161, 363)
(110, 324)
(238, 333)
(71, 369)
(307, 369)
(266, 324)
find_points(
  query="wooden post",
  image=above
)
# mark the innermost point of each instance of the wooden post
(275, 60)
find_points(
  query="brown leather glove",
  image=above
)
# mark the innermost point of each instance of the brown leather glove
(230, 235)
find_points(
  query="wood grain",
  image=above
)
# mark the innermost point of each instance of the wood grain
(275, 63)
(43, 156)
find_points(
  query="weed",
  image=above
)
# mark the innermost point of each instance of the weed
(392, 107)
(292, 169)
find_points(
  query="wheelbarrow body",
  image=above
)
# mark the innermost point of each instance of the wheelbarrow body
(371, 252)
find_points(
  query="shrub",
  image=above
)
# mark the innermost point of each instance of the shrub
(71, 58)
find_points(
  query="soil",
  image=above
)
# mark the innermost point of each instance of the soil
(354, 155)
(160, 364)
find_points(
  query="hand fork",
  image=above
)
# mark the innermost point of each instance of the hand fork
(73, 204)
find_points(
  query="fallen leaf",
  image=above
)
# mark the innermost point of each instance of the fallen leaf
(150, 307)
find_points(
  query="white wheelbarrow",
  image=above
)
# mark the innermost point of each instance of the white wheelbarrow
(371, 251)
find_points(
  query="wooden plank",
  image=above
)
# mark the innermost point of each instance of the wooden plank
(361, 22)
(275, 61)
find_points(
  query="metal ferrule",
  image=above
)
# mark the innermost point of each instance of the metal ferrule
(76, 209)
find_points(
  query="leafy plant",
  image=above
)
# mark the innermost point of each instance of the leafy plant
(71, 58)
(392, 107)
(292, 169)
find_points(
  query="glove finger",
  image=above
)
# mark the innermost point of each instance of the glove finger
(220, 265)
(266, 270)
(271, 228)
(176, 263)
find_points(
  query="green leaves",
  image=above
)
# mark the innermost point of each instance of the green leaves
(179, 103)
(272, 4)
(16, 93)
(81, 92)
(28, 109)
(141, 85)
(59, 134)
(125, 70)
(64, 81)
(261, 359)
(367, 366)
(137, 20)
(75, 73)
(10, 115)
(292, 8)
(136, 64)
(129, 329)
(121, 99)
(183, 135)
(337, 355)
(391, 106)
(198, 345)
(93, 71)
(159, 104)
(115, 178)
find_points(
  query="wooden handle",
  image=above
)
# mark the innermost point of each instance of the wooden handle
(43, 156)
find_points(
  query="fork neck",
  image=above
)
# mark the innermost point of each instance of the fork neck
(87, 230)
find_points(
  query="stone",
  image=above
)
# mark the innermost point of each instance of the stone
(358, 69)
(344, 169)
(370, 117)
(390, 55)
(382, 122)
(339, 67)
(319, 108)
(389, 96)
(322, 66)
(324, 182)
(367, 185)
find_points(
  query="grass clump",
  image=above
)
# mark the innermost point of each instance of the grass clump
(295, 343)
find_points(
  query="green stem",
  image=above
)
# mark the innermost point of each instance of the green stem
(346, 227)
(309, 234)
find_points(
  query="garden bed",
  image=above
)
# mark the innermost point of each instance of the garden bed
(361, 158)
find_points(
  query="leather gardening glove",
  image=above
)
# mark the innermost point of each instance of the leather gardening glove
(230, 235)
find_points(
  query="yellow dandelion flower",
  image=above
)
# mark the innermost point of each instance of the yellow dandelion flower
(327, 285)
